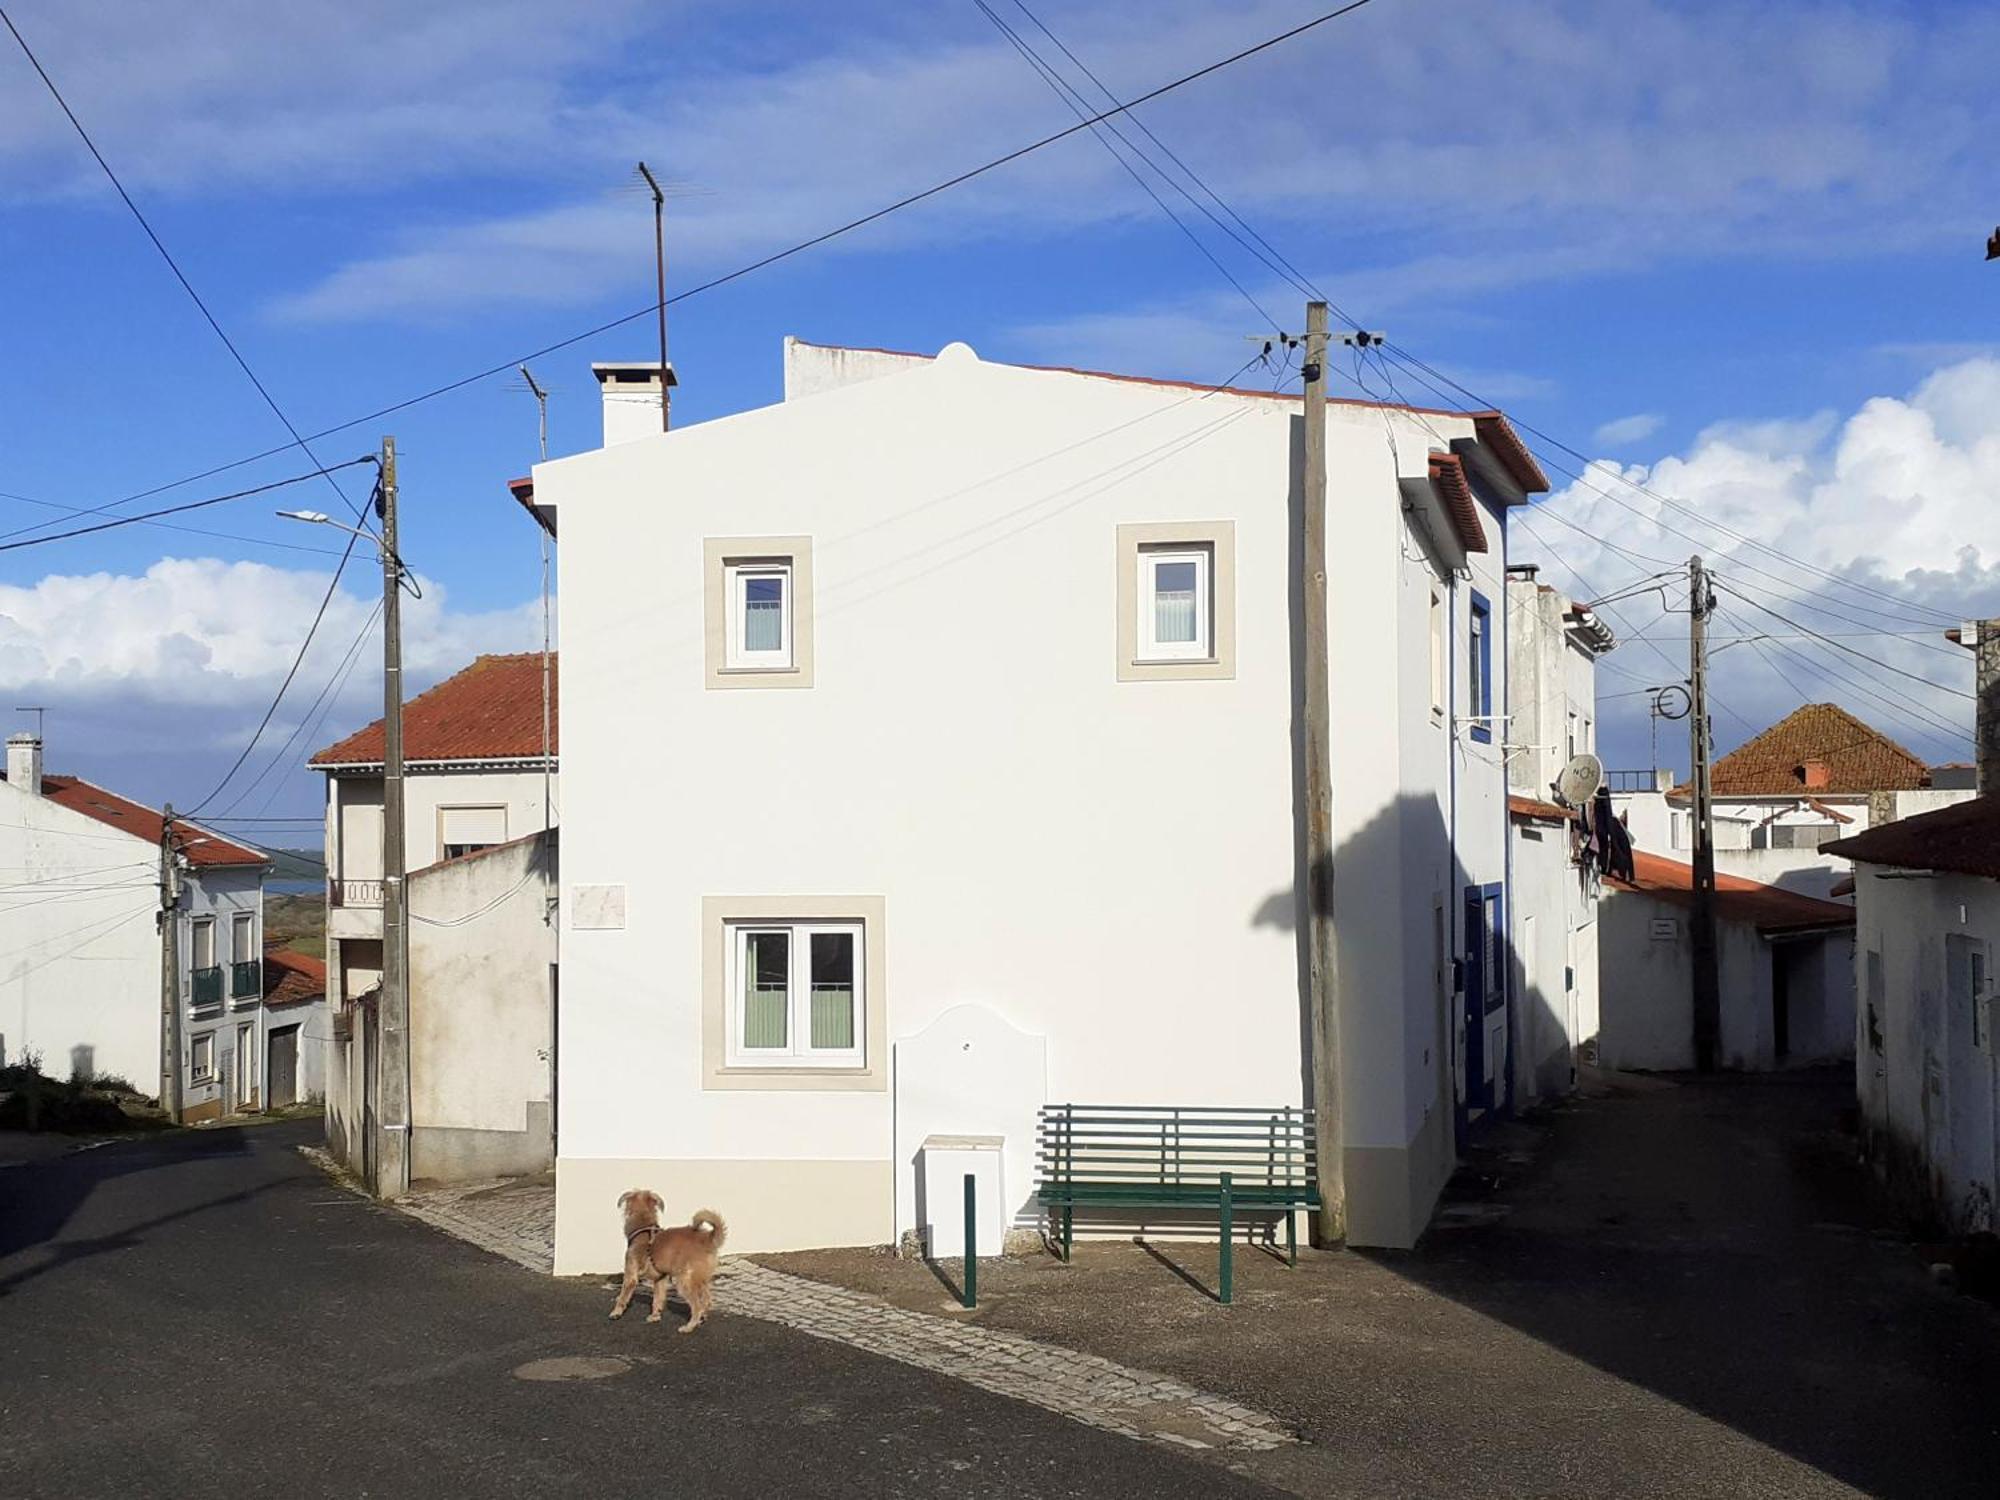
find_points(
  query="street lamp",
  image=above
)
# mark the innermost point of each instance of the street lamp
(391, 1157)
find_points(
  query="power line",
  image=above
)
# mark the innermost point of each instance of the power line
(226, 536)
(173, 510)
(1848, 650)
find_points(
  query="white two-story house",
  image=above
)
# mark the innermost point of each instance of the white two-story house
(80, 962)
(933, 753)
(480, 849)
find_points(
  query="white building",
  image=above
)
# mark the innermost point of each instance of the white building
(1552, 649)
(81, 957)
(1785, 961)
(479, 806)
(932, 755)
(1815, 776)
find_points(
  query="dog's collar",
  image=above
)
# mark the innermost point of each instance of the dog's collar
(642, 1229)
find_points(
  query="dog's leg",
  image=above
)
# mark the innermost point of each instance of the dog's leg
(631, 1284)
(698, 1297)
(660, 1285)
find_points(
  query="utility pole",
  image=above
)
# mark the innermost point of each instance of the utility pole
(1985, 643)
(1707, 982)
(170, 970)
(392, 1160)
(1322, 980)
(660, 277)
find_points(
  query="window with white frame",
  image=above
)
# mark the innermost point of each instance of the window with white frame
(243, 936)
(201, 1058)
(1479, 669)
(1175, 616)
(467, 830)
(760, 613)
(201, 943)
(795, 995)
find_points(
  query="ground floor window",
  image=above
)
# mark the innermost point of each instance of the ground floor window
(795, 994)
(201, 1058)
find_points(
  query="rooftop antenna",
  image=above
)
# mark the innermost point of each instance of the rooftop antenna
(548, 759)
(38, 710)
(660, 277)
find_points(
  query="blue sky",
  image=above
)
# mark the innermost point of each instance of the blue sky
(1735, 253)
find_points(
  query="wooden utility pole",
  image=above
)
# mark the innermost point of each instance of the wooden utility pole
(392, 1073)
(660, 278)
(1707, 982)
(1322, 980)
(171, 1011)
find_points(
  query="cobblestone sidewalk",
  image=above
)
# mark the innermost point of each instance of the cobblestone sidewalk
(516, 1219)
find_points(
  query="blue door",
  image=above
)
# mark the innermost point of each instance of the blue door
(1485, 1000)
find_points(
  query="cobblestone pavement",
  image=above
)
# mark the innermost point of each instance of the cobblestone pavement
(516, 1219)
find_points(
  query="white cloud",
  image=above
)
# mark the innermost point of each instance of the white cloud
(155, 681)
(1622, 430)
(1894, 498)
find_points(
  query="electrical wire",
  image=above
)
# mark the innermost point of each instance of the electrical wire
(1835, 645)
(226, 536)
(173, 510)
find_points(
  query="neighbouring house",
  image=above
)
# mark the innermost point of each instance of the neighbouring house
(1785, 960)
(933, 755)
(1817, 775)
(480, 847)
(1927, 893)
(297, 1030)
(81, 959)
(1553, 644)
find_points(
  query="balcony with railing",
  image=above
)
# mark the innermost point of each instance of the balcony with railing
(206, 987)
(246, 982)
(354, 893)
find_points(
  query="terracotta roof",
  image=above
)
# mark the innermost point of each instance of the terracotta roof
(1530, 807)
(490, 711)
(292, 978)
(201, 846)
(1448, 476)
(1765, 907)
(1963, 839)
(1492, 427)
(1854, 758)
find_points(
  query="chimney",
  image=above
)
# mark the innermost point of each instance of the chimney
(1814, 775)
(24, 763)
(634, 398)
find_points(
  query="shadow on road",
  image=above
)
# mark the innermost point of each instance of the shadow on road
(1716, 1243)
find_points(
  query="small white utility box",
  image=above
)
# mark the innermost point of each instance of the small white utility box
(942, 1172)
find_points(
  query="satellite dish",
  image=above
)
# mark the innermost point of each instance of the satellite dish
(1579, 781)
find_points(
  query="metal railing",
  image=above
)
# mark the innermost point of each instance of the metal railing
(1638, 781)
(246, 980)
(353, 893)
(207, 986)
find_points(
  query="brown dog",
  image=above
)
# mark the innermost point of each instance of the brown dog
(683, 1257)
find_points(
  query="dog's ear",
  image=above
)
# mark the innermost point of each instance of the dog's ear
(659, 1203)
(623, 1199)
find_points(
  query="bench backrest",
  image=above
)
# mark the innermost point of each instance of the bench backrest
(1180, 1147)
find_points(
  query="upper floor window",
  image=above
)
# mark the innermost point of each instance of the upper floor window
(759, 606)
(1174, 621)
(243, 936)
(1440, 693)
(1479, 669)
(467, 830)
(201, 943)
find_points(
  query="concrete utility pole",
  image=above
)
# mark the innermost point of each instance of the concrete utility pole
(170, 970)
(1986, 705)
(660, 277)
(392, 1073)
(1707, 982)
(1322, 980)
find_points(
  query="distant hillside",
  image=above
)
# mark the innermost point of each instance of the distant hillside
(297, 864)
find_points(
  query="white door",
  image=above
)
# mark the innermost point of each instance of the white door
(246, 1064)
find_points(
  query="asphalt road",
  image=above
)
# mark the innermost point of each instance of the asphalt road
(205, 1315)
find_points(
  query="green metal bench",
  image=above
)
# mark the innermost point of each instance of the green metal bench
(1141, 1156)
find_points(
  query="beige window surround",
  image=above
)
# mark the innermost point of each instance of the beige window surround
(1219, 538)
(719, 553)
(718, 915)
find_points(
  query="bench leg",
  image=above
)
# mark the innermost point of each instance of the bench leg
(1227, 1277)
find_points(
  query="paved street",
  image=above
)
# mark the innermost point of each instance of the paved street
(208, 1314)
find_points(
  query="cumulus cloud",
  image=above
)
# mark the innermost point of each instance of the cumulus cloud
(1622, 430)
(155, 681)
(1892, 500)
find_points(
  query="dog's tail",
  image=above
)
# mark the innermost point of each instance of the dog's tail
(710, 1220)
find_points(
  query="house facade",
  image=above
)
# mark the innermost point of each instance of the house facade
(480, 805)
(1785, 961)
(80, 903)
(932, 744)
(1816, 776)
(1553, 644)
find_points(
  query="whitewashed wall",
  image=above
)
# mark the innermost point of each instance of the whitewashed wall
(1108, 864)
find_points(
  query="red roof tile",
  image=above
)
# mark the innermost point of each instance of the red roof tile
(292, 978)
(1765, 907)
(200, 845)
(1530, 807)
(1963, 839)
(490, 711)
(1826, 743)
(1448, 476)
